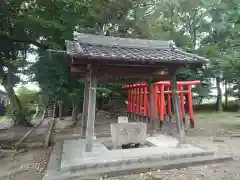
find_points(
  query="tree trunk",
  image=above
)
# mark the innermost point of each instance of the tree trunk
(43, 102)
(200, 100)
(219, 94)
(17, 113)
(37, 111)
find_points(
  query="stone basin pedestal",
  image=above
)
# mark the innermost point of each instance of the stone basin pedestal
(128, 133)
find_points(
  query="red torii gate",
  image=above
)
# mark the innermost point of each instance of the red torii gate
(138, 100)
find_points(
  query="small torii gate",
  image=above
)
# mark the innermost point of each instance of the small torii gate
(96, 57)
(138, 104)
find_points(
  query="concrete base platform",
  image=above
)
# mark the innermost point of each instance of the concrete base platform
(163, 154)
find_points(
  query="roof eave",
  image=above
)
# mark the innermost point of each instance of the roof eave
(140, 61)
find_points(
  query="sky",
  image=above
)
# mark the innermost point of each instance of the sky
(33, 86)
(30, 85)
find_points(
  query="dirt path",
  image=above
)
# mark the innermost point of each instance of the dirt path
(13, 134)
(27, 165)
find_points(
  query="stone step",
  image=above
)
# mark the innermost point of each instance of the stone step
(141, 167)
(125, 157)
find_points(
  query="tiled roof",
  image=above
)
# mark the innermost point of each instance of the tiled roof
(138, 50)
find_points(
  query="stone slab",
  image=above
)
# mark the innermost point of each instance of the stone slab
(53, 166)
(163, 141)
(129, 156)
(165, 154)
(143, 167)
(75, 149)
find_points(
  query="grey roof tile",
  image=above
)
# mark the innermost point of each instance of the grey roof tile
(111, 48)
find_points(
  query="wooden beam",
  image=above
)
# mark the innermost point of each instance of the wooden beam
(126, 63)
(153, 121)
(78, 69)
(110, 68)
(132, 79)
(128, 75)
(125, 72)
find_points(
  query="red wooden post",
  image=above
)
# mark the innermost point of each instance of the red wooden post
(141, 101)
(190, 107)
(155, 94)
(145, 102)
(131, 101)
(162, 103)
(158, 99)
(128, 100)
(134, 101)
(138, 101)
(148, 104)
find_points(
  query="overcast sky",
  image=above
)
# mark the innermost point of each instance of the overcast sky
(30, 85)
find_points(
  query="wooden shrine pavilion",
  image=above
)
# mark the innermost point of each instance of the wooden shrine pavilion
(98, 57)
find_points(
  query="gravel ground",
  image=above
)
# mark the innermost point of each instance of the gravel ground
(210, 132)
(30, 165)
(225, 170)
(26, 166)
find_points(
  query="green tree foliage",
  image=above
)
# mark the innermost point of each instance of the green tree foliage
(29, 100)
(206, 27)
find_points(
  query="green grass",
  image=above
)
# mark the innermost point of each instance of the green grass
(226, 120)
(217, 116)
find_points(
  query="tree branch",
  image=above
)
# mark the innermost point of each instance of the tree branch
(26, 41)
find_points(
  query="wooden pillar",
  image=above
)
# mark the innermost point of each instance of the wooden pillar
(85, 107)
(145, 104)
(169, 105)
(162, 105)
(130, 102)
(152, 108)
(177, 109)
(141, 102)
(91, 109)
(182, 103)
(138, 105)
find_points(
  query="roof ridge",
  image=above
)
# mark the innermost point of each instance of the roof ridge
(121, 42)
